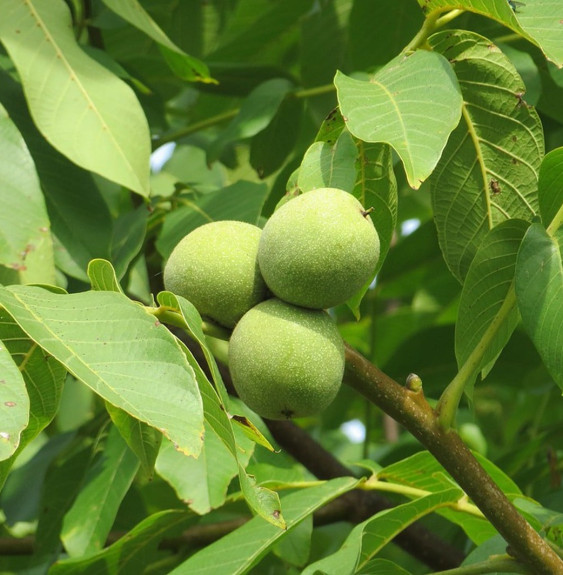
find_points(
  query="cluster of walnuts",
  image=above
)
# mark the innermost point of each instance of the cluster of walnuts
(273, 285)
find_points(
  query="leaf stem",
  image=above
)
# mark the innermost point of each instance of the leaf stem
(449, 401)
(432, 22)
(378, 485)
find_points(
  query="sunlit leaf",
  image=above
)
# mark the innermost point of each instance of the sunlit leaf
(539, 21)
(112, 345)
(14, 401)
(412, 104)
(25, 241)
(83, 110)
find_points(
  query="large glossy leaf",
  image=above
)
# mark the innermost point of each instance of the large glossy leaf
(82, 229)
(25, 241)
(44, 377)
(412, 104)
(369, 537)
(539, 290)
(538, 21)
(551, 188)
(82, 109)
(112, 345)
(88, 522)
(216, 404)
(14, 401)
(129, 555)
(489, 170)
(487, 287)
(237, 552)
(187, 67)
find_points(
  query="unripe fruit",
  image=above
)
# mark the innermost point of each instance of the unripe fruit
(286, 361)
(215, 268)
(318, 249)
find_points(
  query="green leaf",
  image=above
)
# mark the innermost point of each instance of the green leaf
(43, 376)
(241, 201)
(112, 345)
(413, 104)
(541, 21)
(143, 440)
(88, 522)
(25, 241)
(257, 111)
(129, 555)
(329, 165)
(489, 170)
(537, 21)
(62, 85)
(185, 66)
(215, 405)
(550, 190)
(487, 286)
(238, 551)
(14, 402)
(369, 537)
(539, 291)
(203, 482)
(82, 230)
(102, 276)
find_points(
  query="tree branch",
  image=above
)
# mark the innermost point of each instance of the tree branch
(412, 411)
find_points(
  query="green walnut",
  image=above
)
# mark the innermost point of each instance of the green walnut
(215, 267)
(286, 361)
(318, 249)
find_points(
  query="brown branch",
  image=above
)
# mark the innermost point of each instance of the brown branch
(412, 411)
